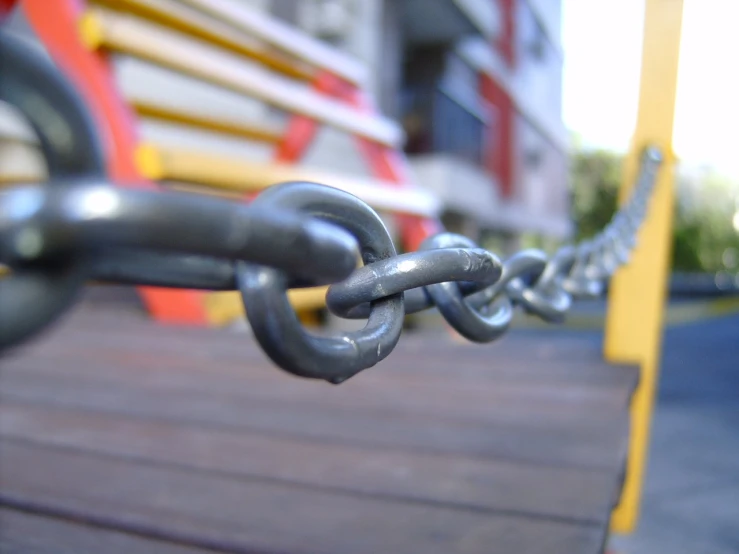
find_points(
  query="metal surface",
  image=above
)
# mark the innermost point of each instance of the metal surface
(292, 235)
(45, 223)
(56, 238)
(408, 273)
(469, 321)
(31, 298)
(50, 104)
(275, 324)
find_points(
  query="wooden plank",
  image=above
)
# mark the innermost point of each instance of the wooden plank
(203, 121)
(247, 515)
(185, 354)
(433, 372)
(208, 404)
(519, 356)
(286, 39)
(136, 37)
(197, 370)
(523, 438)
(491, 399)
(554, 493)
(23, 533)
(419, 379)
(230, 173)
(217, 32)
(420, 360)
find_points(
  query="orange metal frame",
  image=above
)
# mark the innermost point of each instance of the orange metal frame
(56, 24)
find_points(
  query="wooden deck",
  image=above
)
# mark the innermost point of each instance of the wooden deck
(119, 436)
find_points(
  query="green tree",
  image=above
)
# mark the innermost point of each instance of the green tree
(595, 177)
(704, 237)
(686, 241)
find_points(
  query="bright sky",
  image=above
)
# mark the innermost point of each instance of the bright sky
(602, 42)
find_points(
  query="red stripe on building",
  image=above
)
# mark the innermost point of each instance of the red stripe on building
(498, 158)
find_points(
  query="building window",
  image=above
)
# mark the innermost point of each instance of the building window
(456, 130)
(442, 107)
(537, 44)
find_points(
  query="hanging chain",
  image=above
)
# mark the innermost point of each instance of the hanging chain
(55, 238)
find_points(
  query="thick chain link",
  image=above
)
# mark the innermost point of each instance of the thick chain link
(55, 238)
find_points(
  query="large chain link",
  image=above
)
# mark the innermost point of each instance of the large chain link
(55, 238)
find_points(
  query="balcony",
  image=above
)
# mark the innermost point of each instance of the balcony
(446, 144)
(452, 137)
(437, 121)
(446, 21)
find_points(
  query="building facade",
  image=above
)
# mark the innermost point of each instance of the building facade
(477, 85)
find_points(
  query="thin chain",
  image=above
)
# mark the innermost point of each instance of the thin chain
(55, 238)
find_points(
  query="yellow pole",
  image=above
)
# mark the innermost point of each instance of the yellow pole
(636, 300)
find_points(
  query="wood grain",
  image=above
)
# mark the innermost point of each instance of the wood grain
(115, 429)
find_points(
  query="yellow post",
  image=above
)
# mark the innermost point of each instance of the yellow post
(637, 295)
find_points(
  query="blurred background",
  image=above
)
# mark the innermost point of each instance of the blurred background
(602, 45)
(517, 116)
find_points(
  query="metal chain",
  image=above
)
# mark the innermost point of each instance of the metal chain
(55, 238)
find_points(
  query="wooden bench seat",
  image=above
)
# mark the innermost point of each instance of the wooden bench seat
(189, 439)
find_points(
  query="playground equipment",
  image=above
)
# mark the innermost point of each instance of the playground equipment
(212, 42)
(102, 218)
(637, 296)
(79, 228)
